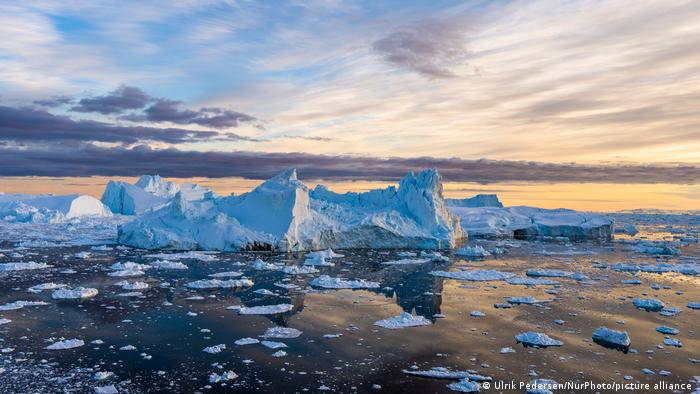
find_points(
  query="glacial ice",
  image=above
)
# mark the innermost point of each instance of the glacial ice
(474, 275)
(478, 201)
(67, 344)
(649, 305)
(77, 293)
(283, 214)
(328, 282)
(262, 309)
(281, 332)
(529, 223)
(149, 193)
(48, 208)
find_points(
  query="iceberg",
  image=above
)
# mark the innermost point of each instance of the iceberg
(537, 339)
(480, 200)
(149, 193)
(611, 338)
(404, 320)
(531, 223)
(284, 214)
(48, 208)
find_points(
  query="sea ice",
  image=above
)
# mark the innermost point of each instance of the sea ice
(403, 320)
(67, 344)
(76, 293)
(328, 282)
(611, 338)
(262, 309)
(537, 339)
(474, 275)
(281, 332)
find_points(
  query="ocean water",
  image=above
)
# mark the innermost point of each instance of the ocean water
(169, 325)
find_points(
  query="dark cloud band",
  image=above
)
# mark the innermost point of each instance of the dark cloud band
(90, 160)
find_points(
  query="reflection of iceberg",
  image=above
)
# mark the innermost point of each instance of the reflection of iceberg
(283, 214)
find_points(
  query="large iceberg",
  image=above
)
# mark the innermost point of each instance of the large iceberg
(480, 200)
(283, 214)
(530, 223)
(149, 193)
(48, 208)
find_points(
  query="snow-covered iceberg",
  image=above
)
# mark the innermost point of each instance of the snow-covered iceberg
(48, 208)
(480, 200)
(149, 193)
(530, 223)
(283, 214)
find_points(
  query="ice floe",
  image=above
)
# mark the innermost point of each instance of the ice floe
(611, 338)
(404, 320)
(76, 293)
(328, 282)
(281, 332)
(23, 266)
(219, 284)
(474, 275)
(262, 309)
(66, 344)
(537, 339)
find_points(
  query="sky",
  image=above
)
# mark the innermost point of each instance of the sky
(577, 103)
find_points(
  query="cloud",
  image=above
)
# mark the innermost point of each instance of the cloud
(55, 101)
(118, 101)
(430, 47)
(164, 110)
(88, 160)
(31, 125)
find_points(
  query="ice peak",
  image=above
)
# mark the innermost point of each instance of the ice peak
(286, 176)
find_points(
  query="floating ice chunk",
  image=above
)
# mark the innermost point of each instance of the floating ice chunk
(321, 257)
(332, 336)
(128, 348)
(282, 332)
(667, 330)
(670, 311)
(4, 321)
(126, 273)
(77, 293)
(552, 273)
(296, 270)
(5, 267)
(446, 373)
(168, 265)
(434, 256)
(130, 294)
(102, 375)
(279, 353)
(631, 282)
(647, 371)
(518, 280)
(224, 377)
(659, 248)
(537, 339)
(135, 286)
(672, 342)
(219, 284)
(67, 344)
(528, 300)
(214, 349)
(129, 265)
(246, 341)
(226, 274)
(262, 309)
(260, 265)
(611, 338)
(21, 304)
(477, 314)
(505, 350)
(464, 386)
(650, 305)
(45, 286)
(328, 282)
(106, 390)
(693, 305)
(474, 275)
(201, 256)
(273, 345)
(477, 251)
(407, 262)
(403, 320)
(264, 292)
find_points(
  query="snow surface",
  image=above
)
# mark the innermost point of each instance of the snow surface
(283, 214)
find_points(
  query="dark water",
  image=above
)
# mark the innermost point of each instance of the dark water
(158, 324)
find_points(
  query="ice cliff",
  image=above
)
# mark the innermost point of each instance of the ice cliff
(149, 193)
(48, 208)
(283, 214)
(529, 223)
